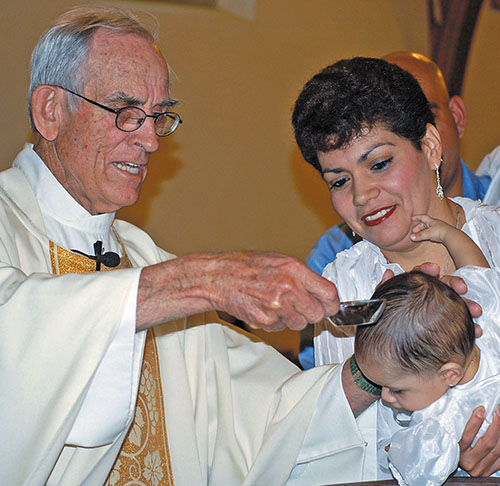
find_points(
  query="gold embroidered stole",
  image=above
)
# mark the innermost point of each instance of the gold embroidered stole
(144, 458)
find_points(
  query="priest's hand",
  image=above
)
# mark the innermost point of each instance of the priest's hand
(274, 291)
(266, 290)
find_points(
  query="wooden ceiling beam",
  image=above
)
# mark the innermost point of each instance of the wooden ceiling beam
(452, 24)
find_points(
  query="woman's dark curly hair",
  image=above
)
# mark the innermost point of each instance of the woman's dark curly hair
(353, 95)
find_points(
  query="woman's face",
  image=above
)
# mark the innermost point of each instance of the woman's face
(378, 183)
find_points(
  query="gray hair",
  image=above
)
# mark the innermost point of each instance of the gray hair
(62, 52)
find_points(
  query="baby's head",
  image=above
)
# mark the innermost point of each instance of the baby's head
(421, 344)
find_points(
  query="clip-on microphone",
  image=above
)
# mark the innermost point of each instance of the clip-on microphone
(109, 259)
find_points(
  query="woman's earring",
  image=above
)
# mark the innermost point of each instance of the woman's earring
(439, 187)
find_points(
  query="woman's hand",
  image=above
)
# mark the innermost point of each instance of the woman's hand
(484, 458)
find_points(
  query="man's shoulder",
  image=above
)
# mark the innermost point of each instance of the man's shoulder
(132, 235)
(16, 195)
(12, 177)
(139, 244)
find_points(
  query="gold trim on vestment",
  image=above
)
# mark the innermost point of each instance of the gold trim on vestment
(144, 458)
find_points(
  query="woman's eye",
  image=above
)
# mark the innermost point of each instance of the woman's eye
(338, 183)
(381, 165)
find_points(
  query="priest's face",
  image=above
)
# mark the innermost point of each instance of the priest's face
(102, 167)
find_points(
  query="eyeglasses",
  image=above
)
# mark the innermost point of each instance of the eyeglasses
(131, 118)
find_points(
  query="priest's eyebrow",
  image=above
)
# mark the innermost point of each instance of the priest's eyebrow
(130, 100)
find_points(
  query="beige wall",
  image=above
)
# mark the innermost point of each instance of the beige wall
(231, 176)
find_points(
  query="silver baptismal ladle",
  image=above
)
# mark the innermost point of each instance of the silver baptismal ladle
(358, 313)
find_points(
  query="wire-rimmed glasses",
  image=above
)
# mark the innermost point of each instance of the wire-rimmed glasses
(131, 118)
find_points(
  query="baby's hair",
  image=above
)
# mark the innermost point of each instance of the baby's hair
(425, 324)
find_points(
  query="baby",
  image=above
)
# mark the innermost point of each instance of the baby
(423, 354)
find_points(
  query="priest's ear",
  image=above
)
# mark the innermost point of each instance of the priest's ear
(48, 104)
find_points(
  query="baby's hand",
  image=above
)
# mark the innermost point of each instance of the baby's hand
(428, 228)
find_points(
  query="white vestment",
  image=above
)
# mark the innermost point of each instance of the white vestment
(490, 165)
(358, 270)
(237, 412)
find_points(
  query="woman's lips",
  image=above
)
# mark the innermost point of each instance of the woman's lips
(378, 216)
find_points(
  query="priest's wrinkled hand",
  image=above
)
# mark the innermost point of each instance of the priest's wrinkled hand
(266, 290)
(275, 291)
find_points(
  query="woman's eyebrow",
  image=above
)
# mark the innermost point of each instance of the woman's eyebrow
(336, 170)
(362, 158)
(365, 155)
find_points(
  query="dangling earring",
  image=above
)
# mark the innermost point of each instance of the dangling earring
(353, 234)
(439, 187)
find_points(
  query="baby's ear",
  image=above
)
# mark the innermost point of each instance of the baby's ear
(451, 373)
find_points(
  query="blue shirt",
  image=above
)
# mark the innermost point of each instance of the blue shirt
(474, 187)
(339, 238)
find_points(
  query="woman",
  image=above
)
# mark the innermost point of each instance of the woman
(367, 127)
